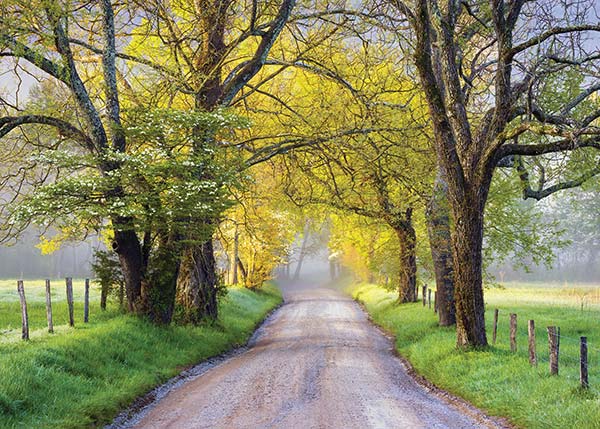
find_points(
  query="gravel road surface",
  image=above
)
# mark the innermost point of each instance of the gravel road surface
(316, 363)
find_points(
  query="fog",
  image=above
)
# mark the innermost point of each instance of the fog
(25, 260)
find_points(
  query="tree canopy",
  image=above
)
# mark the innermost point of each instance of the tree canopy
(203, 139)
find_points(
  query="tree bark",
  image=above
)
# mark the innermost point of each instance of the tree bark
(236, 256)
(408, 260)
(103, 295)
(467, 242)
(127, 246)
(438, 228)
(160, 282)
(243, 271)
(197, 285)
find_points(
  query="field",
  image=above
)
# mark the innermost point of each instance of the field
(82, 376)
(35, 294)
(501, 382)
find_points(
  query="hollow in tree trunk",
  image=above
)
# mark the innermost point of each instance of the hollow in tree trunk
(438, 228)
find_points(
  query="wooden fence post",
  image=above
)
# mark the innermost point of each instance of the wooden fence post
(24, 316)
(86, 302)
(429, 299)
(435, 302)
(531, 332)
(49, 307)
(424, 295)
(513, 332)
(495, 332)
(69, 282)
(583, 363)
(553, 349)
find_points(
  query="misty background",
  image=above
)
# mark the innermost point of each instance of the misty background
(571, 239)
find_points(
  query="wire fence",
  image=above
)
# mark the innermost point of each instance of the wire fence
(574, 358)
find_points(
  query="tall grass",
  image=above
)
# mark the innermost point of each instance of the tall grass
(82, 377)
(495, 379)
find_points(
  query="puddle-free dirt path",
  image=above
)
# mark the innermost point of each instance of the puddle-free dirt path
(317, 363)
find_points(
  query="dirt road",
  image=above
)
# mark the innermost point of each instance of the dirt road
(317, 363)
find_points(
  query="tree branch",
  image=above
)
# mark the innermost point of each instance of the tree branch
(267, 152)
(555, 31)
(20, 50)
(8, 123)
(542, 192)
(252, 67)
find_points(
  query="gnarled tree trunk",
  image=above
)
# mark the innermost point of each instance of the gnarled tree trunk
(159, 283)
(438, 228)
(197, 285)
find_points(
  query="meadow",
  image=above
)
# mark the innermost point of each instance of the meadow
(83, 376)
(495, 379)
(35, 294)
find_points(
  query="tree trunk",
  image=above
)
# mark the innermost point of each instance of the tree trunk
(160, 282)
(332, 275)
(408, 261)
(197, 284)
(467, 242)
(127, 246)
(371, 256)
(302, 251)
(234, 267)
(438, 228)
(103, 294)
(242, 270)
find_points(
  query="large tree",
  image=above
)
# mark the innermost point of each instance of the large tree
(96, 164)
(43, 40)
(204, 53)
(481, 65)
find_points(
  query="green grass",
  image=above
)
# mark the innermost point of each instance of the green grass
(82, 376)
(35, 294)
(498, 381)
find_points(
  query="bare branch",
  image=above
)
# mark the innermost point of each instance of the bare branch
(9, 123)
(555, 31)
(260, 56)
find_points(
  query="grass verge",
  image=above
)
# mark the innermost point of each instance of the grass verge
(82, 377)
(494, 379)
